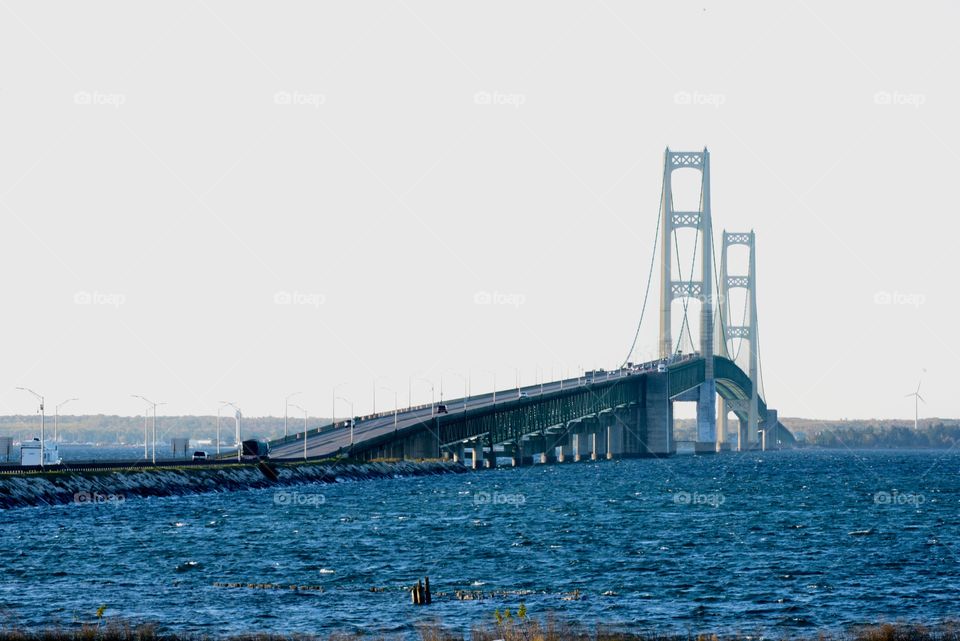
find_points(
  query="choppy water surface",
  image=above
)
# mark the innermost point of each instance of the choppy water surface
(777, 542)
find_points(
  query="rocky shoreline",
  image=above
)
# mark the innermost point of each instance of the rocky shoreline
(118, 485)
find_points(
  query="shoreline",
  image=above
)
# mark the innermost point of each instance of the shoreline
(103, 486)
(509, 627)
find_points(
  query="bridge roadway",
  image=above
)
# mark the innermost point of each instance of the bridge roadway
(331, 441)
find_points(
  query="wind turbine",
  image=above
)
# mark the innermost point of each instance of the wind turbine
(916, 404)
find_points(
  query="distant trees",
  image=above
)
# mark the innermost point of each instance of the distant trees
(129, 429)
(865, 435)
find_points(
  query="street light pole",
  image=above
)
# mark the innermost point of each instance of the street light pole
(304, 429)
(395, 406)
(286, 402)
(218, 430)
(333, 403)
(154, 446)
(433, 400)
(236, 424)
(466, 386)
(352, 421)
(56, 419)
(42, 434)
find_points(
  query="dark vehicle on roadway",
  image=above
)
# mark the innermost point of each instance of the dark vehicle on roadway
(441, 409)
(254, 449)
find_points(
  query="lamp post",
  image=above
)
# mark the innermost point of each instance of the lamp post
(153, 448)
(236, 424)
(304, 428)
(352, 421)
(218, 430)
(333, 403)
(494, 374)
(39, 397)
(466, 388)
(286, 402)
(375, 379)
(395, 406)
(56, 419)
(433, 404)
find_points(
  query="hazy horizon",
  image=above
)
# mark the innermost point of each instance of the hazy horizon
(218, 202)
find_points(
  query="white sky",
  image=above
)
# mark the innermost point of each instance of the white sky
(156, 201)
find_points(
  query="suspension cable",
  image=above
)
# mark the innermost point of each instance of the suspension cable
(646, 293)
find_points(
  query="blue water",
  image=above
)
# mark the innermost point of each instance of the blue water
(781, 542)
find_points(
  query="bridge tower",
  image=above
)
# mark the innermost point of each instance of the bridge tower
(702, 290)
(747, 434)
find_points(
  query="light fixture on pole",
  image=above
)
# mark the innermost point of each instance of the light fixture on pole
(494, 374)
(286, 402)
(218, 430)
(56, 419)
(395, 406)
(153, 405)
(375, 379)
(304, 428)
(466, 391)
(39, 397)
(236, 424)
(333, 403)
(433, 403)
(351, 420)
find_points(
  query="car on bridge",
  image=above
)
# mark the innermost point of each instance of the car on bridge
(200, 455)
(442, 408)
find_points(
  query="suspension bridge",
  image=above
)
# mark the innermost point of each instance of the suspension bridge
(627, 411)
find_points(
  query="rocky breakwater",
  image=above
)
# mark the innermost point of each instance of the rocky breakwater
(65, 487)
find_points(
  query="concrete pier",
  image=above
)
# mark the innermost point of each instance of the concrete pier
(658, 416)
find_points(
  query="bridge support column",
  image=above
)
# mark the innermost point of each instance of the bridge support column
(707, 418)
(477, 461)
(615, 438)
(723, 425)
(658, 415)
(769, 426)
(580, 447)
(418, 446)
(566, 450)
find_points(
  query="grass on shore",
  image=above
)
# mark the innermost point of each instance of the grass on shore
(505, 630)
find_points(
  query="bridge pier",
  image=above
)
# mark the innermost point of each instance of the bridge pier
(477, 461)
(566, 450)
(615, 437)
(658, 416)
(706, 418)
